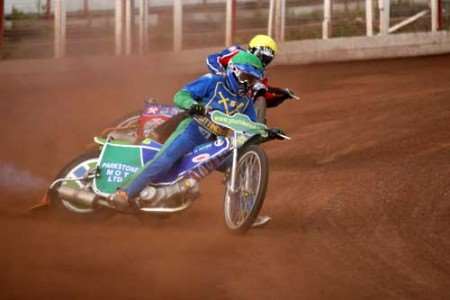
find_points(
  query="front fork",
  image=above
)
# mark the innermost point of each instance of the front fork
(234, 165)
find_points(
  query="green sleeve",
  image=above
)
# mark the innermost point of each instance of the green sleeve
(183, 99)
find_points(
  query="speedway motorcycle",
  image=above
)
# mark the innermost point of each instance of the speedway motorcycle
(86, 184)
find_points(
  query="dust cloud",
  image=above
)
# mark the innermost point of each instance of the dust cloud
(19, 180)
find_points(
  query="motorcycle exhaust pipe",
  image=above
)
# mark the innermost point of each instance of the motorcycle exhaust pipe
(77, 196)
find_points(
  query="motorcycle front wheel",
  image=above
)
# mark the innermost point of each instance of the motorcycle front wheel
(242, 206)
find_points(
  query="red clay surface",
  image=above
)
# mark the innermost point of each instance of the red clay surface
(359, 197)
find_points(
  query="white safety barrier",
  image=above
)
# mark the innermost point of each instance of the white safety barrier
(124, 13)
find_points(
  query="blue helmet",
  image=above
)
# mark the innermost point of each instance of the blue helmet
(243, 71)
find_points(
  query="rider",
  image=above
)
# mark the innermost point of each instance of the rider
(265, 48)
(228, 93)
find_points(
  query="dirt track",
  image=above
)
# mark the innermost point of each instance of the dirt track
(359, 197)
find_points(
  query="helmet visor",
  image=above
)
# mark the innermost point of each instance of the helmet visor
(265, 55)
(246, 78)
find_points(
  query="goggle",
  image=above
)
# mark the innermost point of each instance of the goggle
(245, 78)
(265, 55)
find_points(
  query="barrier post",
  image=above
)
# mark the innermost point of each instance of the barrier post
(128, 26)
(283, 20)
(118, 12)
(326, 24)
(384, 6)
(230, 22)
(2, 22)
(271, 14)
(434, 5)
(369, 17)
(60, 29)
(177, 25)
(276, 25)
(143, 26)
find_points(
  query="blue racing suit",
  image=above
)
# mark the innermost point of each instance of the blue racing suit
(218, 62)
(212, 92)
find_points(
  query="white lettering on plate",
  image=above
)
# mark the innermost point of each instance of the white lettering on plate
(117, 172)
(201, 157)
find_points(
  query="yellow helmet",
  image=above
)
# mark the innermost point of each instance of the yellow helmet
(264, 47)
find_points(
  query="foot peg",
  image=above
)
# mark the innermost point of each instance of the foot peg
(261, 221)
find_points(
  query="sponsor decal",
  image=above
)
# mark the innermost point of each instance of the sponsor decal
(238, 122)
(202, 148)
(200, 158)
(117, 172)
(152, 110)
(80, 171)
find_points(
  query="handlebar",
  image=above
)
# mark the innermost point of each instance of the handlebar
(284, 137)
(292, 95)
(276, 133)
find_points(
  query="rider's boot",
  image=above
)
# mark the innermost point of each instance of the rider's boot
(120, 200)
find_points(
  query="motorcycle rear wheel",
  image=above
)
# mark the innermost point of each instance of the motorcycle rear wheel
(242, 206)
(78, 167)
